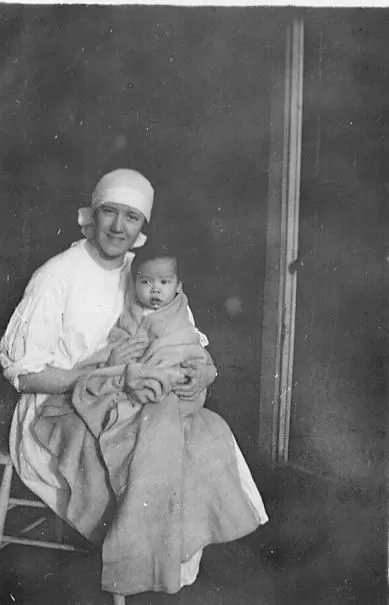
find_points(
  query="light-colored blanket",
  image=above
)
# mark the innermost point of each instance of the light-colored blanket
(159, 473)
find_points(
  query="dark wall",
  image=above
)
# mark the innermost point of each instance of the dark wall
(338, 420)
(181, 94)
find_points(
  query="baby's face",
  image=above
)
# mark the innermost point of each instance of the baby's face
(157, 283)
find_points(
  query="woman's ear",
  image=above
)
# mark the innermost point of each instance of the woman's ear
(88, 217)
(88, 231)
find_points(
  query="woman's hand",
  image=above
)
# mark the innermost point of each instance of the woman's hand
(199, 376)
(55, 380)
(101, 357)
(127, 351)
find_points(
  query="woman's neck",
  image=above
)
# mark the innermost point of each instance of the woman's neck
(110, 264)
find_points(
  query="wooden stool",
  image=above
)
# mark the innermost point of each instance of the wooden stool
(7, 503)
(8, 398)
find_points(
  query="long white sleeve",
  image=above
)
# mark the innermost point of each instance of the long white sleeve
(66, 314)
(32, 335)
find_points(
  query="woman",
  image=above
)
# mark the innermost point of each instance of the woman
(64, 318)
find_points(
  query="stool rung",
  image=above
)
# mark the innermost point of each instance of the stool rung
(33, 525)
(41, 543)
(26, 502)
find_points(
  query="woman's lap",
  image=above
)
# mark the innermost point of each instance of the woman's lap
(74, 458)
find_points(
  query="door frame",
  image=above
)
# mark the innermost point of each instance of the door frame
(282, 248)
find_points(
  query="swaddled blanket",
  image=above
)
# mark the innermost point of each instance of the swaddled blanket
(171, 464)
(120, 396)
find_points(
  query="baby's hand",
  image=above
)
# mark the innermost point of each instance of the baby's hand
(176, 376)
(127, 351)
(180, 376)
(184, 378)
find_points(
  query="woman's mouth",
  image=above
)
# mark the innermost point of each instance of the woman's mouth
(115, 238)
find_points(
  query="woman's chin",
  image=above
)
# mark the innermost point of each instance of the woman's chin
(112, 249)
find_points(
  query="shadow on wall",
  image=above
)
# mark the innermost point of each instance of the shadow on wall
(339, 413)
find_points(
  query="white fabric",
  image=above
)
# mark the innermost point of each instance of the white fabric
(203, 339)
(249, 486)
(66, 314)
(190, 569)
(68, 309)
(125, 186)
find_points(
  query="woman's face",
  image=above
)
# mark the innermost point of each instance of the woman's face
(116, 229)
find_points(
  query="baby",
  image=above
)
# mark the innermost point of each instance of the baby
(156, 281)
(156, 311)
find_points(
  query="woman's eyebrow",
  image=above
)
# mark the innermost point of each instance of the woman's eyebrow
(133, 212)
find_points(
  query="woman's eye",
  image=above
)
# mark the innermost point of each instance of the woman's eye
(132, 217)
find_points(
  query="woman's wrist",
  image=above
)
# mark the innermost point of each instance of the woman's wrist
(51, 380)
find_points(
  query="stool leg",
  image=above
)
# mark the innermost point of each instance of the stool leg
(119, 599)
(4, 496)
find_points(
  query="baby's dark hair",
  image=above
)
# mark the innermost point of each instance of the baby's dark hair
(154, 252)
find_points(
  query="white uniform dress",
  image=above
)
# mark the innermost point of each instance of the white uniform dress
(66, 314)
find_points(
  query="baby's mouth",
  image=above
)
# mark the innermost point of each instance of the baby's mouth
(155, 302)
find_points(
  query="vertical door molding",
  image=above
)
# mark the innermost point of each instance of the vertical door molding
(282, 248)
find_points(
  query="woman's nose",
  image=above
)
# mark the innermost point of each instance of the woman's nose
(117, 223)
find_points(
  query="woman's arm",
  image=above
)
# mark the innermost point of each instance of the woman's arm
(27, 349)
(51, 380)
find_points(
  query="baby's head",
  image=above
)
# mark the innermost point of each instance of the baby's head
(156, 277)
